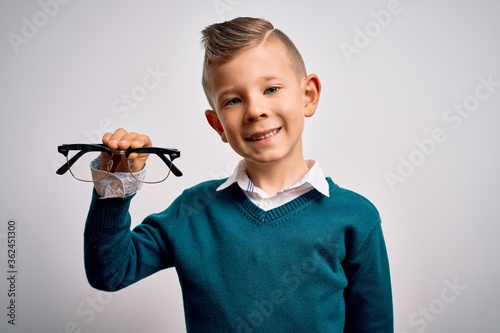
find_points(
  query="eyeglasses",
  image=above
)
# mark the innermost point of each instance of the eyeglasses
(79, 157)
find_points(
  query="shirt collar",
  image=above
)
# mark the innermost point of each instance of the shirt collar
(314, 177)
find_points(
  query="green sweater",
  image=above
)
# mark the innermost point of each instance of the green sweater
(315, 264)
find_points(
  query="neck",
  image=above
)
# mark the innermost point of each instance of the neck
(276, 176)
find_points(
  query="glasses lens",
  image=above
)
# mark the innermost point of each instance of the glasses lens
(81, 168)
(156, 169)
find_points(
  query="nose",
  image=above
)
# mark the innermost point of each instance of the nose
(256, 110)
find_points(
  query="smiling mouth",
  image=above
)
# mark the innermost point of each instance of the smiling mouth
(263, 136)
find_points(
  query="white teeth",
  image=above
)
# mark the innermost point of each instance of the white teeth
(262, 137)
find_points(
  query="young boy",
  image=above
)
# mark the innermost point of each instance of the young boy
(276, 247)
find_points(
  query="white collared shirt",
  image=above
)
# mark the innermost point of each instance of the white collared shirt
(117, 184)
(314, 178)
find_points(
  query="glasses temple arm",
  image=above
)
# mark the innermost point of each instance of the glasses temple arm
(65, 167)
(171, 165)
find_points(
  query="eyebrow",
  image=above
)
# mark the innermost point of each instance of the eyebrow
(226, 91)
(263, 79)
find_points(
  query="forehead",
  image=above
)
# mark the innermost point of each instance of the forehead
(269, 59)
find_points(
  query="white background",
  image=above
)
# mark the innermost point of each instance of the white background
(62, 82)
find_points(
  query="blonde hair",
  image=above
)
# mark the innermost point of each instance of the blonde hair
(223, 41)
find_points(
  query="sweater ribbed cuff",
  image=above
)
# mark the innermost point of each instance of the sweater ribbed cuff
(109, 213)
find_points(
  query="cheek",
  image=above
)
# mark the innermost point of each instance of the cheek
(292, 106)
(230, 127)
(294, 115)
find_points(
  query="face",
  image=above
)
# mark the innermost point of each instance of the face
(261, 104)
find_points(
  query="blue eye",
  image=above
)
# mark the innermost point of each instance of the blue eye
(233, 102)
(272, 90)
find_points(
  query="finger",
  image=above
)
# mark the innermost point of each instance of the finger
(125, 141)
(140, 141)
(112, 139)
(134, 140)
(106, 137)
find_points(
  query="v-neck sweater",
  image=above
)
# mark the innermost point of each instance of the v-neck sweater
(315, 264)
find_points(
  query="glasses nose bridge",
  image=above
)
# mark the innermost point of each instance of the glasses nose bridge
(119, 152)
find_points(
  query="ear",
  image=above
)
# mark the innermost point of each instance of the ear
(215, 123)
(312, 92)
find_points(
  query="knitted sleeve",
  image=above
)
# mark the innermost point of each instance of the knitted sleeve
(368, 296)
(116, 256)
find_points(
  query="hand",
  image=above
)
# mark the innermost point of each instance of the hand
(122, 140)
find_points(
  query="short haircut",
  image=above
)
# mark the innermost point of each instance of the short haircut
(223, 41)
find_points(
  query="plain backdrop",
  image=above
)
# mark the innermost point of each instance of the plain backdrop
(409, 118)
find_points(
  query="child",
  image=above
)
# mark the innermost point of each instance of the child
(276, 247)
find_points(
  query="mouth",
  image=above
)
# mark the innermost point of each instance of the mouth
(263, 135)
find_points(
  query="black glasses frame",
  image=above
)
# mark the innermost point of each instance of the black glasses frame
(83, 148)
